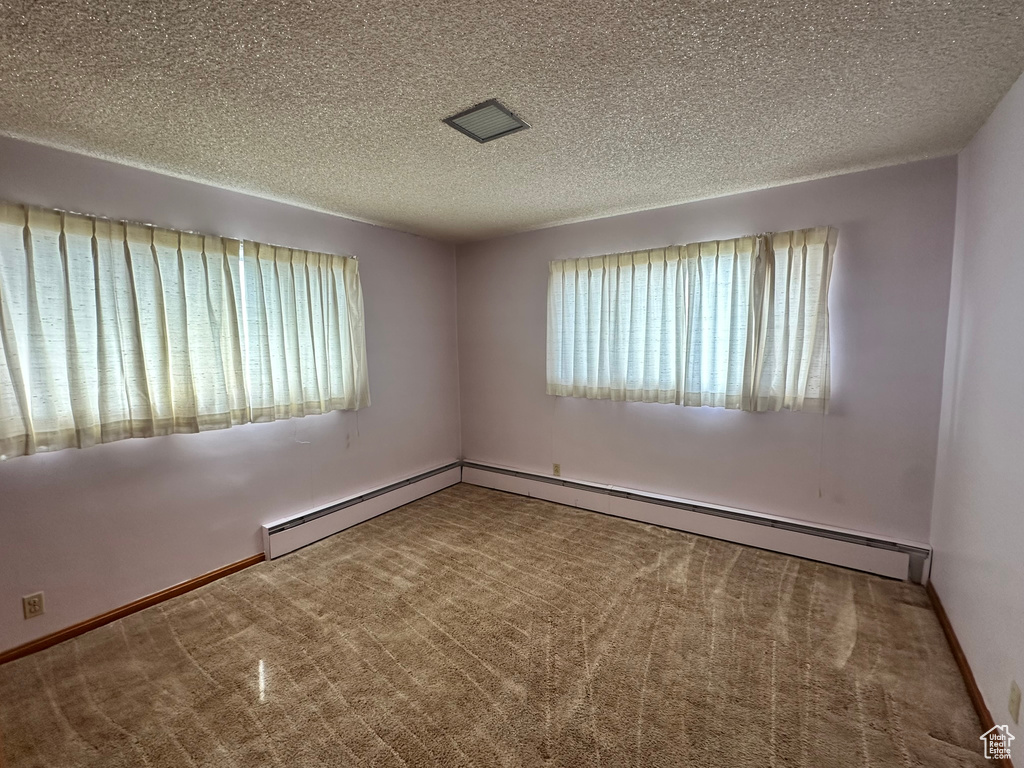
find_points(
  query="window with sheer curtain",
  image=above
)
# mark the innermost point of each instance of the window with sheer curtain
(111, 330)
(739, 323)
(303, 328)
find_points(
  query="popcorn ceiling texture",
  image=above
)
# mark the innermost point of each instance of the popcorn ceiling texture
(338, 105)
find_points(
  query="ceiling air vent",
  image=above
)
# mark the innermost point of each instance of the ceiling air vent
(486, 122)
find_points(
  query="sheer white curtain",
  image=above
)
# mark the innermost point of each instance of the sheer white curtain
(794, 371)
(718, 321)
(739, 323)
(304, 332)
(111, 330)
(605, 339)
(667, 325)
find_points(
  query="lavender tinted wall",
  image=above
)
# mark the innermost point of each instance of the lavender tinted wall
(100, 527)
(872, 457)
(978, 523)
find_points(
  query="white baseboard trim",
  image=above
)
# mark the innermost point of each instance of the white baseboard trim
(297, 531)
(851, 549)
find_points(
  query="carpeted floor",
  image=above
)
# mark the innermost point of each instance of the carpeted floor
(479, 628)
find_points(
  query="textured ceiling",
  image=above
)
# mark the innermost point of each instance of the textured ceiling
(338, 105)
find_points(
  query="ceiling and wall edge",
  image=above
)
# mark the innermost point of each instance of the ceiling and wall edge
(454, 242)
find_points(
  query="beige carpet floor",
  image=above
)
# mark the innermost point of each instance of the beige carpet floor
(479, 628)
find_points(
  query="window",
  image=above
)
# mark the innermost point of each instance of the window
(111, 330)
(737, 323)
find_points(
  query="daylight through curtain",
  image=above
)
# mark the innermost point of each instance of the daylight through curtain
(739, 323)
(304, 329)
(111, 330)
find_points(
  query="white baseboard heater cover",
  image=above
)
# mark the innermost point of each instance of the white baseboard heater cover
(850, 549)
(291, 533)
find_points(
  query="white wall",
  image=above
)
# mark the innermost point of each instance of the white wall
(978, 525)
(100, 527)
(889, 301)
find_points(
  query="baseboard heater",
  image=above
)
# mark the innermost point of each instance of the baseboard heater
(291, 533)
(851, 549)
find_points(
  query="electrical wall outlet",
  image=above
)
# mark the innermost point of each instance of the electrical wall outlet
(1015, 701)
(32, 605)
(556, 470)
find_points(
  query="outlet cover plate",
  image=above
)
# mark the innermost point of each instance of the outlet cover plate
(32, 605)
(556, 470)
